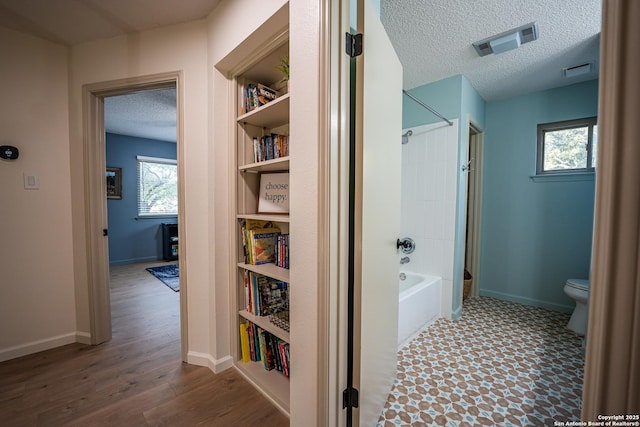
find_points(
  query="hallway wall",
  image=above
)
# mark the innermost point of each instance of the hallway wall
(36, 257)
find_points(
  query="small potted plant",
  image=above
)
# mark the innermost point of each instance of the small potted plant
(284, 69)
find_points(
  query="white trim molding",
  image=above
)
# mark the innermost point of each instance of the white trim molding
(203, 359)
(42, 345)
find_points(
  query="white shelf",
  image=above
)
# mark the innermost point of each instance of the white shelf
(274, 384)
(270, 115)
(264, 323)
(265, 217)
(270, 270)
(279, 164)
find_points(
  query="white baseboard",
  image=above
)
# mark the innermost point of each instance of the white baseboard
(457, 313)
(203, 359)
(37, 346)
(83, 338)
(527, 301)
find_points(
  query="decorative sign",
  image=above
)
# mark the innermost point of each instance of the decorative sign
(274, 193)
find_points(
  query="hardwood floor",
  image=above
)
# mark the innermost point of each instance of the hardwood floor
(136, 379)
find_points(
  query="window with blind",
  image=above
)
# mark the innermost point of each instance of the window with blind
(157, 186)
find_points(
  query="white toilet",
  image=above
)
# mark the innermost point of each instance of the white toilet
(578, 289)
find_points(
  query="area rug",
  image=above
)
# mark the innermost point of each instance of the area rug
(168, 274)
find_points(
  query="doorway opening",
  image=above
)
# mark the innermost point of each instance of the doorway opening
(142, 211)
(474, 209)
(96, 217)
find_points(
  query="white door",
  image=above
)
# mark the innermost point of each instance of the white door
(378, 181)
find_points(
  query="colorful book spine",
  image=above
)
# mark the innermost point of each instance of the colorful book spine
(268, 147)
(244, 343)
(261, 346)
(282, 251)
(283, 355)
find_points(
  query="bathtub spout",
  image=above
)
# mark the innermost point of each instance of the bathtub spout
(404, 260)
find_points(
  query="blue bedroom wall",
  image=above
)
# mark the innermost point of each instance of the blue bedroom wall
(535, 235)
(132, 239)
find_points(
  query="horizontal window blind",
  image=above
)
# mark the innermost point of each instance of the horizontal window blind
(157, 186)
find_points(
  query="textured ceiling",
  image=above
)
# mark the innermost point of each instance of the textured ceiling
(433, 40)
(77, 21)
(149, 114)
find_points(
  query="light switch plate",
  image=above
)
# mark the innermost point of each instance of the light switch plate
(31, 181)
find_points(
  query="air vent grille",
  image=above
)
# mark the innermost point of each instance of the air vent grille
(577, 70)
(525, 34)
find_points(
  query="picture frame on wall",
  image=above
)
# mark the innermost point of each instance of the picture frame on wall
(114, 183)
(274, 193)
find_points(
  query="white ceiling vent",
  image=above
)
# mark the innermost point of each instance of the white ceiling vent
(577, 70)
(508, 40)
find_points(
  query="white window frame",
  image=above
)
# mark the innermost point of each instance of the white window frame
(157, 160)
(588, 122)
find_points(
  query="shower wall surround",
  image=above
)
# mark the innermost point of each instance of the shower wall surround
(428, 212)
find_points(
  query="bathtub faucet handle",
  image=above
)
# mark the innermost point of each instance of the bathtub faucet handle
(406, 245)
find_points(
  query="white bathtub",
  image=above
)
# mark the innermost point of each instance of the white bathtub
(418, 305)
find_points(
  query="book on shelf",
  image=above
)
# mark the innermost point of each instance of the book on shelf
(282, 251)
(262, 243)
(258, 241)
(269, 147)
(265, 295)
(252, 342)
(257, 95)
(244, 343)
(267, 348)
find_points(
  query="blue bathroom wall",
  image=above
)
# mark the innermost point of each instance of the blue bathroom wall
(454, 98)
(445, 96)
(472, 111)
(473, 105)
(133, 239)
(535, 235)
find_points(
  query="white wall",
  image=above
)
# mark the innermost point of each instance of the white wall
(37, 304)
(428, 213)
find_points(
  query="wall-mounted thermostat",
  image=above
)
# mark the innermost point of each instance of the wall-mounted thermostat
(9, 152)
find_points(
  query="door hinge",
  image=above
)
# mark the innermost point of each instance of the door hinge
(105, 232)
(353, 44)
(350, 398)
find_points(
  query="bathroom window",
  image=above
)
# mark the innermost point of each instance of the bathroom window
(157, 186)
(566, 147)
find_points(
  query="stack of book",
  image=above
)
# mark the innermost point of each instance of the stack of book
(265, 295)
(268, 147)
(257, 95)
(259, 345)
(259, 240)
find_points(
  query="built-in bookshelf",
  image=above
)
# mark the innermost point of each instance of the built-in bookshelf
(265, 127)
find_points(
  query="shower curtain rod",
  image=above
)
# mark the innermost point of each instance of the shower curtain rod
(427, 107)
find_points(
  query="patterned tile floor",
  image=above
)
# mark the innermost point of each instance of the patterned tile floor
(501, 364)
